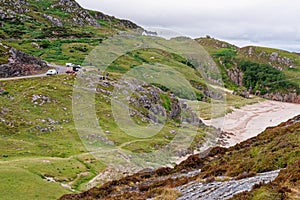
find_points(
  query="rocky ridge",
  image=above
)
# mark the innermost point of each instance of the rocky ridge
(22, 10)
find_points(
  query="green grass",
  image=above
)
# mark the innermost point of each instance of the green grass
(4, 55)
(18, 183)
(166, 101)
(215, 109)
(58, 51)
(160, 68)
(25, 147)
(57, 152)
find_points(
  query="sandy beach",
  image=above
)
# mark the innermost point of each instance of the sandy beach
(251, 120)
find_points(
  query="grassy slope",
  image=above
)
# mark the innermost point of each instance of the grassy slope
(58, 51)
(273, 149)
(34, 154)
(58, 153)
(35, 25)
(291, 73)
(18, 179)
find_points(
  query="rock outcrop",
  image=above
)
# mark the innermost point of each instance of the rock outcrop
(145, 102)
(236, 75)
(289, 97)
(120, 22)
(21, 64)
(274, 58)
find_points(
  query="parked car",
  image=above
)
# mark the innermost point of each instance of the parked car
(70, 72)
(52, 72)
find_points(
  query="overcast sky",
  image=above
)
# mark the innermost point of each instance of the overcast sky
(273, 23)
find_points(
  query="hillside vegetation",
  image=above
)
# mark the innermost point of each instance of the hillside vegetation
(270, 73)
(56, 31)
(55, 19)
(39, 139)
(43, 153)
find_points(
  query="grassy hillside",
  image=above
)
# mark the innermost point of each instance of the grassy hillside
(257, 69)
(55, 19)
(39, 139)
(56, 31)
(285, 186)
(287, 62)
(42, 156)
(59, 51)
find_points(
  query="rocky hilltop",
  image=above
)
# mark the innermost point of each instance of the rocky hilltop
(34, 18)
(56, 13)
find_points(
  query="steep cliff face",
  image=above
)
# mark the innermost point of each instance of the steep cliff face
(20, 64)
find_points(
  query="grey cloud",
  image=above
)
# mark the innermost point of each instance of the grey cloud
(261, 22)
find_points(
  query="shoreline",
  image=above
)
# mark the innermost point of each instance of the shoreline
(250, 120)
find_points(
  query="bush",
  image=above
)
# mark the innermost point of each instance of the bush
(44, 44)
(264, 78)
(5, 93)
(226, 55)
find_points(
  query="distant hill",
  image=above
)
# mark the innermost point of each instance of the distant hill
(54, 18)
(270, 73)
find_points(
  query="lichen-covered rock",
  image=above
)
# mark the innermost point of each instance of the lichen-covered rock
(55, 21)
(236, 75)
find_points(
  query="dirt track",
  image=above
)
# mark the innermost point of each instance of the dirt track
(251, 120)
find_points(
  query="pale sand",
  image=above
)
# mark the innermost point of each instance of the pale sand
(251, 120)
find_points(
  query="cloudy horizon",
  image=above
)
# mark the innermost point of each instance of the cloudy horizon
(268, 23)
